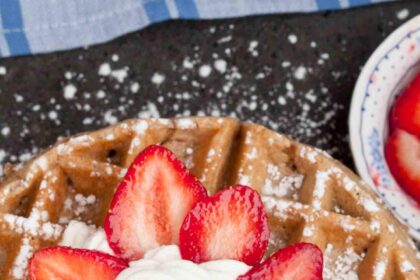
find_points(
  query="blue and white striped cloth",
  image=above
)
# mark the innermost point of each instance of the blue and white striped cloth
(39, 26)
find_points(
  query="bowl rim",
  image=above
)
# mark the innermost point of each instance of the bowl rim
(358, 96)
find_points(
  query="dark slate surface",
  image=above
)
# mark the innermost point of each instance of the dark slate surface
(302, 89)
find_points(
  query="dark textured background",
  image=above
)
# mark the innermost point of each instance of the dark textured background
(258, 85)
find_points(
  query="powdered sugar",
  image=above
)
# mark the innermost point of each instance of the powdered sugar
(308, 154)
(5, 131)
(185, 123)
(3, 71)
(70, 91)
(375, 226)
(379, 270)
(134, 88)
(244, 180)
(21, 261)
(220, 65)
(158, 78)
(407, 266)
(280, 186)
(36, 225)
(252, 48)
(292, 39)
(369, 204)
(78, 204)
(308, 231)
(342, 265)
(149, 111)
(300, 73)
(110, 118)
(350, 185)
(320, 185)
(120, 75)
(140, 127)
(104, 69)
(403, 14)
(204, 71)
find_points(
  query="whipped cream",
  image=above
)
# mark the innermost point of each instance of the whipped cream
(162, 263)
(165, 263)
(82, 236)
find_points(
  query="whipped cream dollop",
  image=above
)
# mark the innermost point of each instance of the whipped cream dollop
(82, 236)
(162, 263)
(165, 263)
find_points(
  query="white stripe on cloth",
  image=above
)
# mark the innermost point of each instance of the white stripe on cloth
(234, 8)
(98, 21)
(173, 10)
(4, 47)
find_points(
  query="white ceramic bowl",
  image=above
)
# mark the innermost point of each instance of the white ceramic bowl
(393, 64)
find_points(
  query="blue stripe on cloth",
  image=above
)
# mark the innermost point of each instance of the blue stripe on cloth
(13, 27)
(328, 4)
(187, 9)
(156, 10)
(359, 2)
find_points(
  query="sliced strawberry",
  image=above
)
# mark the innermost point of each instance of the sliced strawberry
(71, 264)
(406, 111)
(150, 203)
(402, 153)
(301, 261)
(230, 225)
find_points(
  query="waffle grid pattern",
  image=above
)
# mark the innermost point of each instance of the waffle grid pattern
(308, 196)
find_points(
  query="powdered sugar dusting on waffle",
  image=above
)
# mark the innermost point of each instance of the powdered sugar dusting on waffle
(308, 231)
(369, 204)
(375, 226)
(77, 205)
(244, 180)
(379, 270)
(343, 266)
(321, 180)
(63, 149)
(278, 185)
(185, 123)
(21, 262)
(36, 225)
(140, 127)
(82, 140)
(42, 162)
(309, 154)
(407, 266)
(281, 208)
(349, 184)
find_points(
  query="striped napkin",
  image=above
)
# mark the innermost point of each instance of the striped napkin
(40, 26)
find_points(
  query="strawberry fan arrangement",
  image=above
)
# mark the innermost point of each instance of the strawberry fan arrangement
(160, 202)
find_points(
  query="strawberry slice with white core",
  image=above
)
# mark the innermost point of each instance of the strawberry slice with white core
(229, 225)
(302, 261)
(402, 152)
(74, 264)
(150, 204)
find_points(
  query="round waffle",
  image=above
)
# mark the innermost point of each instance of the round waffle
(308, 196)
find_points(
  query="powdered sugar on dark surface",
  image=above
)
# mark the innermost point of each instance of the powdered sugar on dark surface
(278, 71)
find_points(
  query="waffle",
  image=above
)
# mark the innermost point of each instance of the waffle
(308, 196)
